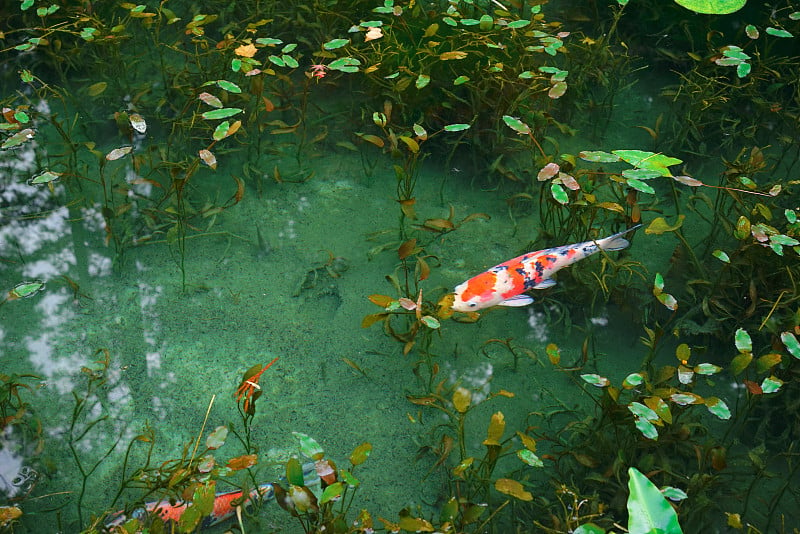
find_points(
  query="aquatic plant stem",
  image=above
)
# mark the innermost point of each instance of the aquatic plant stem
(202, 428)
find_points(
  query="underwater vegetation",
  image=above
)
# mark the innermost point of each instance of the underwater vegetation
(160, 119)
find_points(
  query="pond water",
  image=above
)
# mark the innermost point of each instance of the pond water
(151, 312)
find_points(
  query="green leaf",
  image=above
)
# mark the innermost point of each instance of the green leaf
(290, 62)
(456, 127)
(360, 453)
(771, 384)
(430, 321)
(596, 380)
(422, 81)
(518, 24)
(516, 125)
(598, 156)
(740, 362)
(640, 186)
(461, 80)
(632, 380)
(721, 256)
(778, 32)
(674, 494)
(44, 178)
(228, 86)
(216, 439)
(559, 193)
(345, 64)
(743, 341)
(309, 446)
(712, 7)
(707, 369)
(332, 493)
(718, 407)
(25, 290)
(640, 410)
(790, 342)
(18, 138)
(275, 60)
(294, 472)
(647, 428)
(221, 113)
(648, 160)
(790, 215)
(648, 510)
(589, 528)
(529, 458)
(268, 41)
(221, 131)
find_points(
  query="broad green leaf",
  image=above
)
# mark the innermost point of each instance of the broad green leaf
(641, 174)
(216, 439)
(461, 80)
(674, 494)
(332, 493)
(430, 321)
(289, 61)
(647, 428)
(778, 32)
(333, 44)
(648, 160)
(422, 81)
(743, 341)
(712, 7)
(640, 410)
(345, 64)
(598, 156)
(740, 362)
(771, 384)
(518, 24)
(26, 289)
(294, 472)
(221, 131)
(529, 458)
(309, 446)
(743, 69)
(640, 186)
(790, 215)
(18, 138)
(45, 177)
(596, 380)
(790, 342)
(221, 113)
(558, 90)
(516, 125)
(228, 86)
(721, 256)
(559, 193)
(648, 510)
(456, 127)
(632, 380)
(685, 399)
(361, 453)
(707, 369)
(718, 407)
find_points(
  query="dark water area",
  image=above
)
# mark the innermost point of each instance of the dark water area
(187, 196)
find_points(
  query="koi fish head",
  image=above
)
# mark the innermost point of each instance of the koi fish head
(476, 293)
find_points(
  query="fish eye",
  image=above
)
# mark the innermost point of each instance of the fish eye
(472, 304)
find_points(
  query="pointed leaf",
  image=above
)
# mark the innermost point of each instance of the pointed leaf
(648, 510)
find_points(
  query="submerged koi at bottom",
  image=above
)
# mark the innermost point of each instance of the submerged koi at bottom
(224, 508)
(504, 284)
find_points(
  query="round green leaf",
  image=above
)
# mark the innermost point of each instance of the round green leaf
(712, 7)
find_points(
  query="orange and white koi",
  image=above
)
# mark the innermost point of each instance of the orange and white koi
(505, 284)
(224, 508)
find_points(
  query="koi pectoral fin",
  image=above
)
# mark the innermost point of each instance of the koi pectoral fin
(517, 301)
(544, 284)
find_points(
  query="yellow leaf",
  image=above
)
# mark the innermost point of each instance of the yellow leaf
(462, 397)
(513, 488)
(455, 54)
(248, 50)
(496, 428)
(97, 88)
(660, 226)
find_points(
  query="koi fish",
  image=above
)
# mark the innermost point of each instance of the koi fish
(172, 511)
(505, 284)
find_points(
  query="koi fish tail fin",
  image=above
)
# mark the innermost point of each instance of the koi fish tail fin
(616, 241)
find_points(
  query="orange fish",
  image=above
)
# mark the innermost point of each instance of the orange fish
(505, 284)
(172, 511)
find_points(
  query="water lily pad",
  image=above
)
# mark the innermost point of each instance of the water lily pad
(712, 7)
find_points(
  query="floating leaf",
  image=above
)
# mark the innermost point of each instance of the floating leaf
(559, 194)
(25, 290)
(456, 127)
(217, 438)
(137, 122)
(118, 153)
(743, 341)
(659, 225)
(790, 342)
(718, 407)
(516, 125)
(45, 177)
(648, 510)
(740, 362)
(462, 397)
(495, 431)
(18, 138)
(530, 458)
(596, 380)
(776, 32)
(721, 256)
(208, 158)
(598, 156)
(335, 43)
(688, 180)
(309, 446)
(360, 453)
(513, 488)
(221, 113)
(771, 384)
(547, 172)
